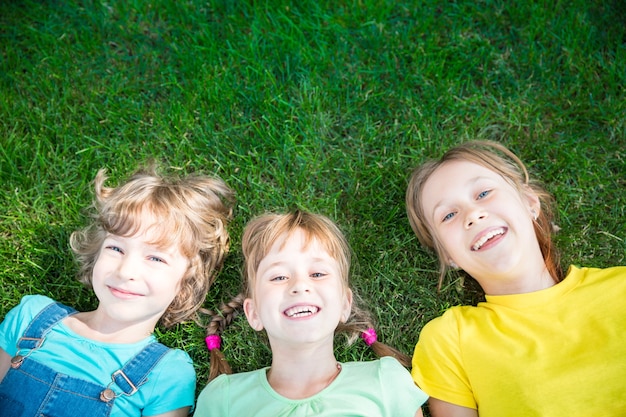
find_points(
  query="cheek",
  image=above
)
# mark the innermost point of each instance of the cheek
(179, 287)
(445, 243)
(170, 287)
(182, 283)
(98, 270)
(448, 247)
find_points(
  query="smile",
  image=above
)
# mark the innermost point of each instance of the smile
(301, 311)
(486, 237)
(120, 293)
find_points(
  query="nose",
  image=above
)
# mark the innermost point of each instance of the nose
(474, 215)
(128, 267)
(299, 284)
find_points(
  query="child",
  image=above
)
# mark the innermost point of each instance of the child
(297, 268)
(151, 254)
(543, 343)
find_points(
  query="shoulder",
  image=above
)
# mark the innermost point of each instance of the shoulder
(383, 370)
(33, 304)
(177, 357)
(601, 289)
(389, 363)
(382, 365)
(216, 398)
(177, 364)
(586, 273)
(17, 320)
(27, 309)
(241, 381)
(388, 381)
(440, 340)
(607, 283)
(175, 368)
(171, 383)
(451, 321)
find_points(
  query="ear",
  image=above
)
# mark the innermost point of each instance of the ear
(452, 264)
(532, 201)
(347, 306)
(249, 308)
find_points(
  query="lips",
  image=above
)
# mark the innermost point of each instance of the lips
(121, 293)
(301, 311)
(487, 237)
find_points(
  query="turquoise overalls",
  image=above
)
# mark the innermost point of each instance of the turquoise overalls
(32, 389)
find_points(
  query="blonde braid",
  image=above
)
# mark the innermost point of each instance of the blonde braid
(219, 322)
(358, 324)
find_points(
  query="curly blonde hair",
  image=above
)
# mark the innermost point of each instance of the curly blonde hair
(191, 212)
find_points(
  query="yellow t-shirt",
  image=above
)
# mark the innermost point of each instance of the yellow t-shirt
(555, 352)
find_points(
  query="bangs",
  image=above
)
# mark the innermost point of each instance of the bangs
(327, 241)
(166, 225)
(263, 233)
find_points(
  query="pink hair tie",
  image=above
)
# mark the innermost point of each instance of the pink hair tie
(213, 341)
(369, 336)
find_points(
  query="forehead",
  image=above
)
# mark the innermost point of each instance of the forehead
(451, 178)
(296, 249)
(457, 172)
(297, 241)
(161, 233)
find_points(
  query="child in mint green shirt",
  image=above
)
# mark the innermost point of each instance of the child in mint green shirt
(297, 267)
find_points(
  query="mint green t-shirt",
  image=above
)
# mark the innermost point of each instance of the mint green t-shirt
(366, 389)
(171, 384)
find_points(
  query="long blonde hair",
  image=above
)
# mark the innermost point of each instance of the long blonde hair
(501, 160)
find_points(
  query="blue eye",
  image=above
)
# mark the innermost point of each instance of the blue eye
(448, 217)
(483, 194)
(279, 278)
(156, 259)
(318, 275)
(115, 249)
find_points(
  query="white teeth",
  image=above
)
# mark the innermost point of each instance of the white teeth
(301, 311)
(486, 237)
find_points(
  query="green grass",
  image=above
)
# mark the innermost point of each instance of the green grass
(322, 105)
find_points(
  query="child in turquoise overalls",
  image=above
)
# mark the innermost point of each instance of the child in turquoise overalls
(150, 256)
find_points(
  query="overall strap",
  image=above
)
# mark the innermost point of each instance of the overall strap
(50, 315)
(135, 371)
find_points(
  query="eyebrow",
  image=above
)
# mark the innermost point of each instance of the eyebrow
(315, 259)
(469, 182)
(163, 249)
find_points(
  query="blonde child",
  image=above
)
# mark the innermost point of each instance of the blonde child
(544, 343)
(150, 255)
(297, 267)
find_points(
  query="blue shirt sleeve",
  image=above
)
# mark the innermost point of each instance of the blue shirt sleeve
(18, 319)
(174, 384)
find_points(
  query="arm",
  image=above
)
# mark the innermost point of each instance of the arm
(419, 413)
(180, 412)
(439, 408)
(5, 363)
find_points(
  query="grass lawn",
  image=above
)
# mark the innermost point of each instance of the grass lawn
(321, 105)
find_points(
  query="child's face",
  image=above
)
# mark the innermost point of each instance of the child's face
(298, 293)
(482, 221)
(134, 280)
